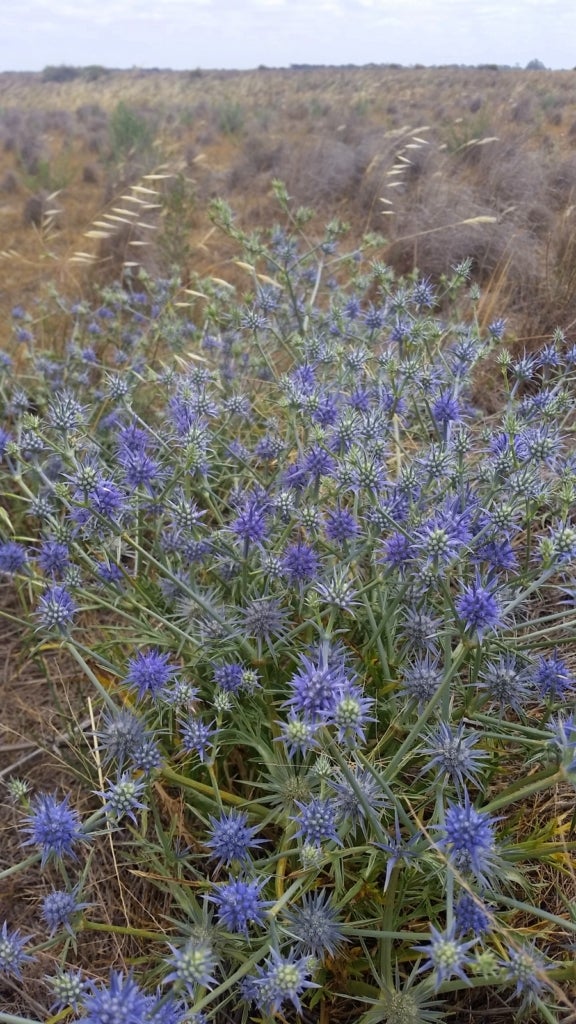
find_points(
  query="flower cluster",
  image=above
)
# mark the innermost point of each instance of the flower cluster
(322, 599)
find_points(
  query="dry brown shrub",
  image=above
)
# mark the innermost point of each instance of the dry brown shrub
(90, 175)
(9, 184)
(34, 210)
(320, 171)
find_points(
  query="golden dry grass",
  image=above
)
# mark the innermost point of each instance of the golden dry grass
(442, 162)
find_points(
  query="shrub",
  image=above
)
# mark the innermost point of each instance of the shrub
(130, 132)
(60, 73)
(323, 605)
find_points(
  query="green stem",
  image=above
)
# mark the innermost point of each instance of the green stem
(201, 787)
(119, 929)
(543, 780)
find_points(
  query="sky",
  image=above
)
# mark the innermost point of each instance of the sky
(189, 34)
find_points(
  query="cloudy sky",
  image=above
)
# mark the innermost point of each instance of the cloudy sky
(246, 33)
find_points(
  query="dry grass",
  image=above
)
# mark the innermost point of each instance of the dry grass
(409, 153)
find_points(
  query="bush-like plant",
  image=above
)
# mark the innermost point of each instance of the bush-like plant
(325, 606)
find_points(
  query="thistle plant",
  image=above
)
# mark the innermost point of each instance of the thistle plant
(326, 603)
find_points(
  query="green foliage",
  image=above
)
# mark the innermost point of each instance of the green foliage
(60, 73)
(231, 117)
(130, 132)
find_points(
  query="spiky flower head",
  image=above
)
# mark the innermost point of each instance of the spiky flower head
(193, 964)
(56, 609)
(12, 955)
(231, 838)
(54, 826)
(68, 987)
(469, 840)
(447, 955)
(281, 980)
(453, 755)
(316, 925)
(121, 798)
(149, 672)
(239, 903)
(60, 907)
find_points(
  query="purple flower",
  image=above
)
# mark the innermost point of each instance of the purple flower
(53, 558)
(316, 686)
(122, 1002)
(13, 557)
(193, 965)
(453, 755)
(341, 525)
(422, 678)
(239, 904)
(445, 408)
(12, 955)
(229, 677)
(121, 798)
(280, 980)
(507, 681)
(298, 735)
(56, 609)
(250, 523)
(197, 736)
(469, 839)
(525, 968)
(54, 826)
(478, 608)
(552, 677)
(351, 715)
(300, 563)
(317, 821)
(59, 907)
(447, 955)
(316, 925)
(471, 915)
(149, 672)
(399, 550)
(231, 838)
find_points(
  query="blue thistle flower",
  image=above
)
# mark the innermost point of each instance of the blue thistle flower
(13, 558)
(526, 969)
(422, 678)
(552, 677)
(471, 915)
(229, 677)
(350, 715)
(149, 672)
(56, 609)
(59, 907)
(316, 821)
(121, 798)
(197, 736)
(341, 526)
(298, 734)
(53, 558)
(121, 1002)
(453, 755)
(507, 681)
(68, 987)
(12, 955)
(54, 826)
(478, 608)
(239, 904)
(316, 925)
(193, 965)
(231, 838)
(469, 840)
(280, 980)
(300, 563)
(447, 955)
